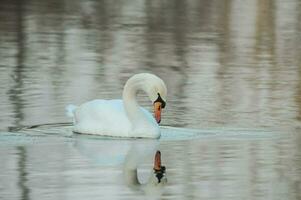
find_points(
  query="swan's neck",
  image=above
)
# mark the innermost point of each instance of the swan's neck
(131, 106)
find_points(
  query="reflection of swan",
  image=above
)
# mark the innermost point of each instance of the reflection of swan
(111, 152)
(123, 118)
(108, 154)
(156, 180)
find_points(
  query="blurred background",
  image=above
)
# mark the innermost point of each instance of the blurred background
(226, 63)
(233, 64)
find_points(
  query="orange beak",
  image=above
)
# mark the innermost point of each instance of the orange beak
(157, 111)
(157, 161)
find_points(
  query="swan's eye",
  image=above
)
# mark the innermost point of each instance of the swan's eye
(160, 173)
(159, 99)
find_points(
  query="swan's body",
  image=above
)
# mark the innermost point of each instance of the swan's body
(121, 118)
(108, 117)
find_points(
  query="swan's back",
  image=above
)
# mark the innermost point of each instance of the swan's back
(108, 118)
(102, 117)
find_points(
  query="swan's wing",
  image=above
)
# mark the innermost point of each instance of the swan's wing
(102, 117)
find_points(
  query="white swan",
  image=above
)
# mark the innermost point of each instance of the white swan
(123, 118)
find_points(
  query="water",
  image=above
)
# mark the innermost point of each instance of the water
(232, 70)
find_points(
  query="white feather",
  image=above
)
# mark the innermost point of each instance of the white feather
(70, 110)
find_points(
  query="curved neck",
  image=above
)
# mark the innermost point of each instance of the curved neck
(132, 86)
(139, 152)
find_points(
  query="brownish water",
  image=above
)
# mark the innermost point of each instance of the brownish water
(233, 73)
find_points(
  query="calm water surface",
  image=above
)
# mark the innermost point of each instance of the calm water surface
(233, 73)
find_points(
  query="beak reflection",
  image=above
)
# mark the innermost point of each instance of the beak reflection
(159, 170)
(156, 180)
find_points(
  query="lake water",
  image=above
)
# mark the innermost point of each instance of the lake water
(231, 128)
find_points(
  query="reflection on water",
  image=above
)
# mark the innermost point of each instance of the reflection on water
(130, 154)
(227, 64)
(156, 180)
(80, 167)
(23, 174)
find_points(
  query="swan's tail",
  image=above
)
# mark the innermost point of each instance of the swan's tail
(70, 110)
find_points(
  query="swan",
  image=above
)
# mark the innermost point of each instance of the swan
(123, 118)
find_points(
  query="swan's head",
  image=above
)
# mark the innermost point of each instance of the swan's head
(153, 86)
(156, 90)
(159, 170)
